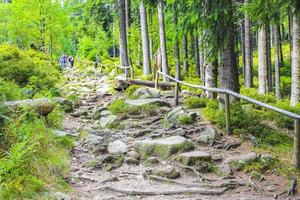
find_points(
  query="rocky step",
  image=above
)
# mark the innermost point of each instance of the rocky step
(164, 147)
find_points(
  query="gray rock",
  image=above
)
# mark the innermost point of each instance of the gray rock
(166, 171)
(237, 162)
(61, 196)
(117, 147)
(152, 161)
(267, 158)
(105, 121)
(112, 161)
(68, 105)
(133, 154)
(225, 169)
(131, 161)
(146, 93)
(193, 157)
(59, 133)
(174, 114)
(163, 147)
(91, 143)
(209, 134)
(141, 102)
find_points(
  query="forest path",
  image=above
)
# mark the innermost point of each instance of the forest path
(106, 165)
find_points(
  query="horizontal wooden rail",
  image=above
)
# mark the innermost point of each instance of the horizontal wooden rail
(125, 67)
(228, 93)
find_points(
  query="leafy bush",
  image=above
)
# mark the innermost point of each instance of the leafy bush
(185, 119)
(194, 102)
(131, 89)
(28, 68)
(118, 106)
(9, 90)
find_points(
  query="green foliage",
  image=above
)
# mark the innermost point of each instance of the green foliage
(118, 106)
(194, 102)
(185, 119)
(34, 158)
(9, 90)
(130, 90)
(31, 70)
(55, 118)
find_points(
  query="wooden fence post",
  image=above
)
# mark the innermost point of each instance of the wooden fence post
(176, 93)
(156, 79)
(227, 113)
(131, 72)
(297, 144)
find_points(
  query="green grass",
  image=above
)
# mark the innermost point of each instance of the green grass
(194, 102)
(185, 119)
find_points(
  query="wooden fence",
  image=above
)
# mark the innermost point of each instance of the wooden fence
(227, 94)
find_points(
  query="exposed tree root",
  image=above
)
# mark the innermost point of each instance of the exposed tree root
(198, 175)
(253, 185)
(155, 192)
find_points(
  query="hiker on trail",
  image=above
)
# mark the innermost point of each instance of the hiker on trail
(71, 60)
(61, 62)
(97, 61)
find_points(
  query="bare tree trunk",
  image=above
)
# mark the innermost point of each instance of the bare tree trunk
(176, 45)
(196, 52)
(248, 52)
(145, 40)
(162, 35)
(269, 59)
(122, 35)
(185, 55)
(128, 14)
(280, 47)
(295, 93)
(277, 60)
(262, 61)
(211, 77)
(229, 78)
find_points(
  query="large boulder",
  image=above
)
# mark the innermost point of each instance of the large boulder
(66, 104)
(42, 106)
(141, 102)
(163, 147)
(194, 157)
(146, 93)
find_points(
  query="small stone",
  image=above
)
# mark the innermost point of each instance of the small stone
(112, 161)
(237, 162)
(117, 147)
(271, 188)
(59, 133)
(133, 154)
(131, 161)
(206, 136)
(167, 171)
(152, 161)
(61, 196)
(146, 93)
(225, 169)
(105, 121)
(193, 157)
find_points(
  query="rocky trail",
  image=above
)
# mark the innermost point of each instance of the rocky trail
(143, 157)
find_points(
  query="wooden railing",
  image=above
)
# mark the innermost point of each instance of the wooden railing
(125, 68)
(227, 94)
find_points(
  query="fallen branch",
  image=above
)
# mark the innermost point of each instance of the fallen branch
(253, 185)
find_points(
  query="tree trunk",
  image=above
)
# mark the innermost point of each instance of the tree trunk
(229, 78)
(145, 40)
(196, 52)
(162, 35)
(176, 45)
(277, 60)
(269, 59)
(248, 52)
(122, 35)
(262, 61)
(128, 14)
(295, 93)
(211, 77)
(185, 55)
(280, 46)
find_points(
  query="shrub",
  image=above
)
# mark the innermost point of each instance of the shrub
(185, 119)
(9, 90)
(194, 102)
(118, 106)
(131, 89)
(28, 68)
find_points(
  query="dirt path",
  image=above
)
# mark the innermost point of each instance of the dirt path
(97, 174)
